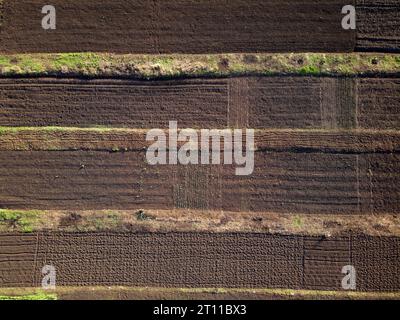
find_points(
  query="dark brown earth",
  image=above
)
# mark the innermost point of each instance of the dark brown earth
(153, 293)
(116, 103)
(178, 26)
(323, 141)
(378, 25)
(303, 182)
(256, 102)
(200, 27)
(200, 260)
(331, 172)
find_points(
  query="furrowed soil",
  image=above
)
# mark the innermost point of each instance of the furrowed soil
(200, 260)
(282, 102)
(187, 26)
(184, 26)
(331, 150)
(303, 182)
(378, 25)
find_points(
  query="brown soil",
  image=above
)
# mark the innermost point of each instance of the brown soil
(200, 260)
(200, 27)
(302, 179)
(281, 182)
(308, 172)
(378, 25)
(113, 103)
(377, 104)
(269, 102)
(178, 26)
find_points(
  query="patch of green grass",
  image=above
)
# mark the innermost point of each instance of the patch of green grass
(36, 296)
(7, 130)
(85, 63)
(24, 221)
(31, 65)
(5, 61)
(6, 215)
(27, 228)
(309, 70)
(165, 61)
(298, 222)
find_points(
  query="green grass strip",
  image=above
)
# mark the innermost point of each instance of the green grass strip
(35, 296)
(215, 65)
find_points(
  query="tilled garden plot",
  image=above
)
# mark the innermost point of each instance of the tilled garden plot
(282, 182)
(178, 26)
(186, 26)
(200, 260)
(283, 102)
(324, 195)
(378, 25)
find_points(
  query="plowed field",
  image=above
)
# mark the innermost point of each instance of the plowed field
(269, 102)
(200, 260)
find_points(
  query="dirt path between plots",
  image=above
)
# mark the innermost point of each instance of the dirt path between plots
(184, 26)
(200, 260)
(120, 139)
(255, 102)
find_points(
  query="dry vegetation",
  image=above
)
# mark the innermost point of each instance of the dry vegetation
(212, 65)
